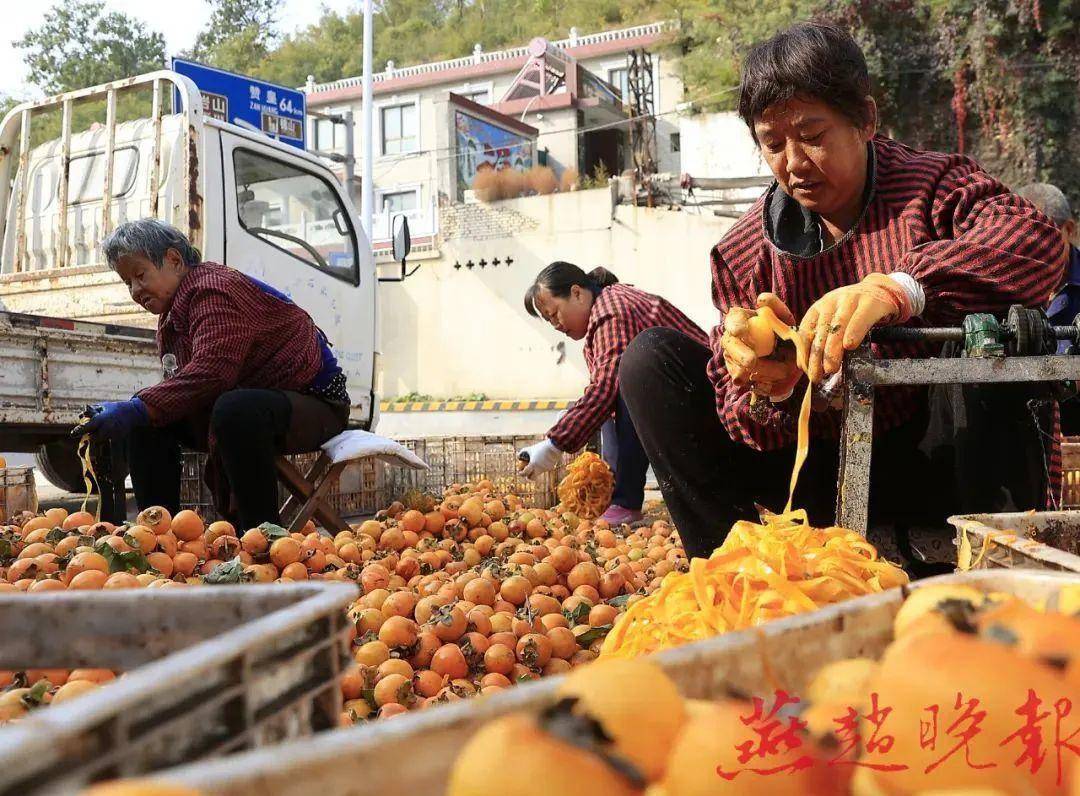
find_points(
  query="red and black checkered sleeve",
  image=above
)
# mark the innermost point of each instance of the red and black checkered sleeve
(221, 337)
(992, 249)
(762, 428)
(613, 331)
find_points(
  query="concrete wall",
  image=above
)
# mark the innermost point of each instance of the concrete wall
(450, 331)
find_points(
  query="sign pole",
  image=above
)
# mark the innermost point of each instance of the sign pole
(367, 189)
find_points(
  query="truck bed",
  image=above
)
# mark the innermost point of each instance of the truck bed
(54, 367)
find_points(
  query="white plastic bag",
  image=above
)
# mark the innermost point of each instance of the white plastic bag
(357, 444)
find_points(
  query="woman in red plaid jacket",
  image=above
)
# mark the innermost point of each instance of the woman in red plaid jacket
(856, 231)
(248, 376)
(607, 315)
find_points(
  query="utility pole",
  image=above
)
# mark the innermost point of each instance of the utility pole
(367, 189)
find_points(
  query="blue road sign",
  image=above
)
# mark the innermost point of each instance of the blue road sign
(275, 110)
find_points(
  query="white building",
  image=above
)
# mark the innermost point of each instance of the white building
(578, 125)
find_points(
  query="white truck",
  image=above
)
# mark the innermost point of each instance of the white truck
(257, 205)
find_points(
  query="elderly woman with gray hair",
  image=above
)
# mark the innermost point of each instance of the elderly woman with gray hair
(248, 376)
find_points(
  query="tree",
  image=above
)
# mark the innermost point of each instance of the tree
(239, 35)
(80, 45)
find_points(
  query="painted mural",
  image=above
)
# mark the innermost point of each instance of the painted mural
(482, 145)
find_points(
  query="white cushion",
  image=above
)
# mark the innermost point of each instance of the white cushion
(351, 445)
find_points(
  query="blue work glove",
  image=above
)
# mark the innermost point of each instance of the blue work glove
(114, 419)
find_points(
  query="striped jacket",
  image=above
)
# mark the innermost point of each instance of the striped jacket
(971, 244)
(227, 332)
(618, 315)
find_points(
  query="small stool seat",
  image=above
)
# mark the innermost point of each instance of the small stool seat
(309, 489)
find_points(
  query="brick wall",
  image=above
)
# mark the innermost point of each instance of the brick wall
(482, 222)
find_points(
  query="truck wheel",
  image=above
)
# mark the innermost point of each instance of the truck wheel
(59, 461)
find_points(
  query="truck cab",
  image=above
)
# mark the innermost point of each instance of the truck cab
(263, 207)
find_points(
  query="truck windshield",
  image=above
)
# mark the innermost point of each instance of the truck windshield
(296, 211)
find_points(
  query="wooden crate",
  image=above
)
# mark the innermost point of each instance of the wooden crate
(413, 754)
(1037, 540)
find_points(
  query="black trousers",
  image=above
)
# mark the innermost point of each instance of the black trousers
(250, 428)
(709, 481)
(631, 463)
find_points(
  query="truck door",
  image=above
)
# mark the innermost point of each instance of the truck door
(289, 223)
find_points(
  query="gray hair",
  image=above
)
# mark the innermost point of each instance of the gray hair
(152, 239)
(1049, 199)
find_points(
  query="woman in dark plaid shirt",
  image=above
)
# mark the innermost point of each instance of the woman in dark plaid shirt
(248, 376)
(595, 308)
(856, 231)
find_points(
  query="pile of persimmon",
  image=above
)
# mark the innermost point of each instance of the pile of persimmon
(476, 593)
(464, 595)
(25, 691)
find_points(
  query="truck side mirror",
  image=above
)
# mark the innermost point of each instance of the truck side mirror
(402, 241)
(402, 245)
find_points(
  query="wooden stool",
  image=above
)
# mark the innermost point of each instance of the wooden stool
(309, 491)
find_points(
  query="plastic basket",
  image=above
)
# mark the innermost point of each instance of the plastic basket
(208, 671)
(413, 754)
(1037, 540)
(1070, 473)
(18, 491)
(368, 486)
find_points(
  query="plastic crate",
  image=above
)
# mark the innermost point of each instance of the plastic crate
(1035, 540)
(1070, 473)
(209, 671)
(370, 485)
(414, 753)
(18, 491)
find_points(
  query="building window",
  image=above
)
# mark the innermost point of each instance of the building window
(394, 202)
(329, 137)
(676, 142)
(400, 129)
(618, 78)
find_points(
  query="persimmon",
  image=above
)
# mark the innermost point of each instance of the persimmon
(393, 688)
(449, 661)
(515, 589)
(391, 709)
(90, 579)
(448, 623)
(219, 528)
(187, 526)
(45, 584)
(427, 683)
(92, 675)
(411, 520)
(394, 666)
(161, 562)
(371, 654)
(120, 580)
(427, 644)
(76, 520)
(284, 551)
(295, 571)
(500, 659)
(73, 689)
(398, 632)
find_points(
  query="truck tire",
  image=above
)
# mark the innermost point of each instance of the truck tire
(59, 462)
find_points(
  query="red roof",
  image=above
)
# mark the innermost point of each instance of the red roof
(472, 72)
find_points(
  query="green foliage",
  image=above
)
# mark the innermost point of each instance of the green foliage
(79, 44)
(239, 35)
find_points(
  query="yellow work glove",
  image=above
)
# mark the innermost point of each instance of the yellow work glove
(771, 375)
(840, 320)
